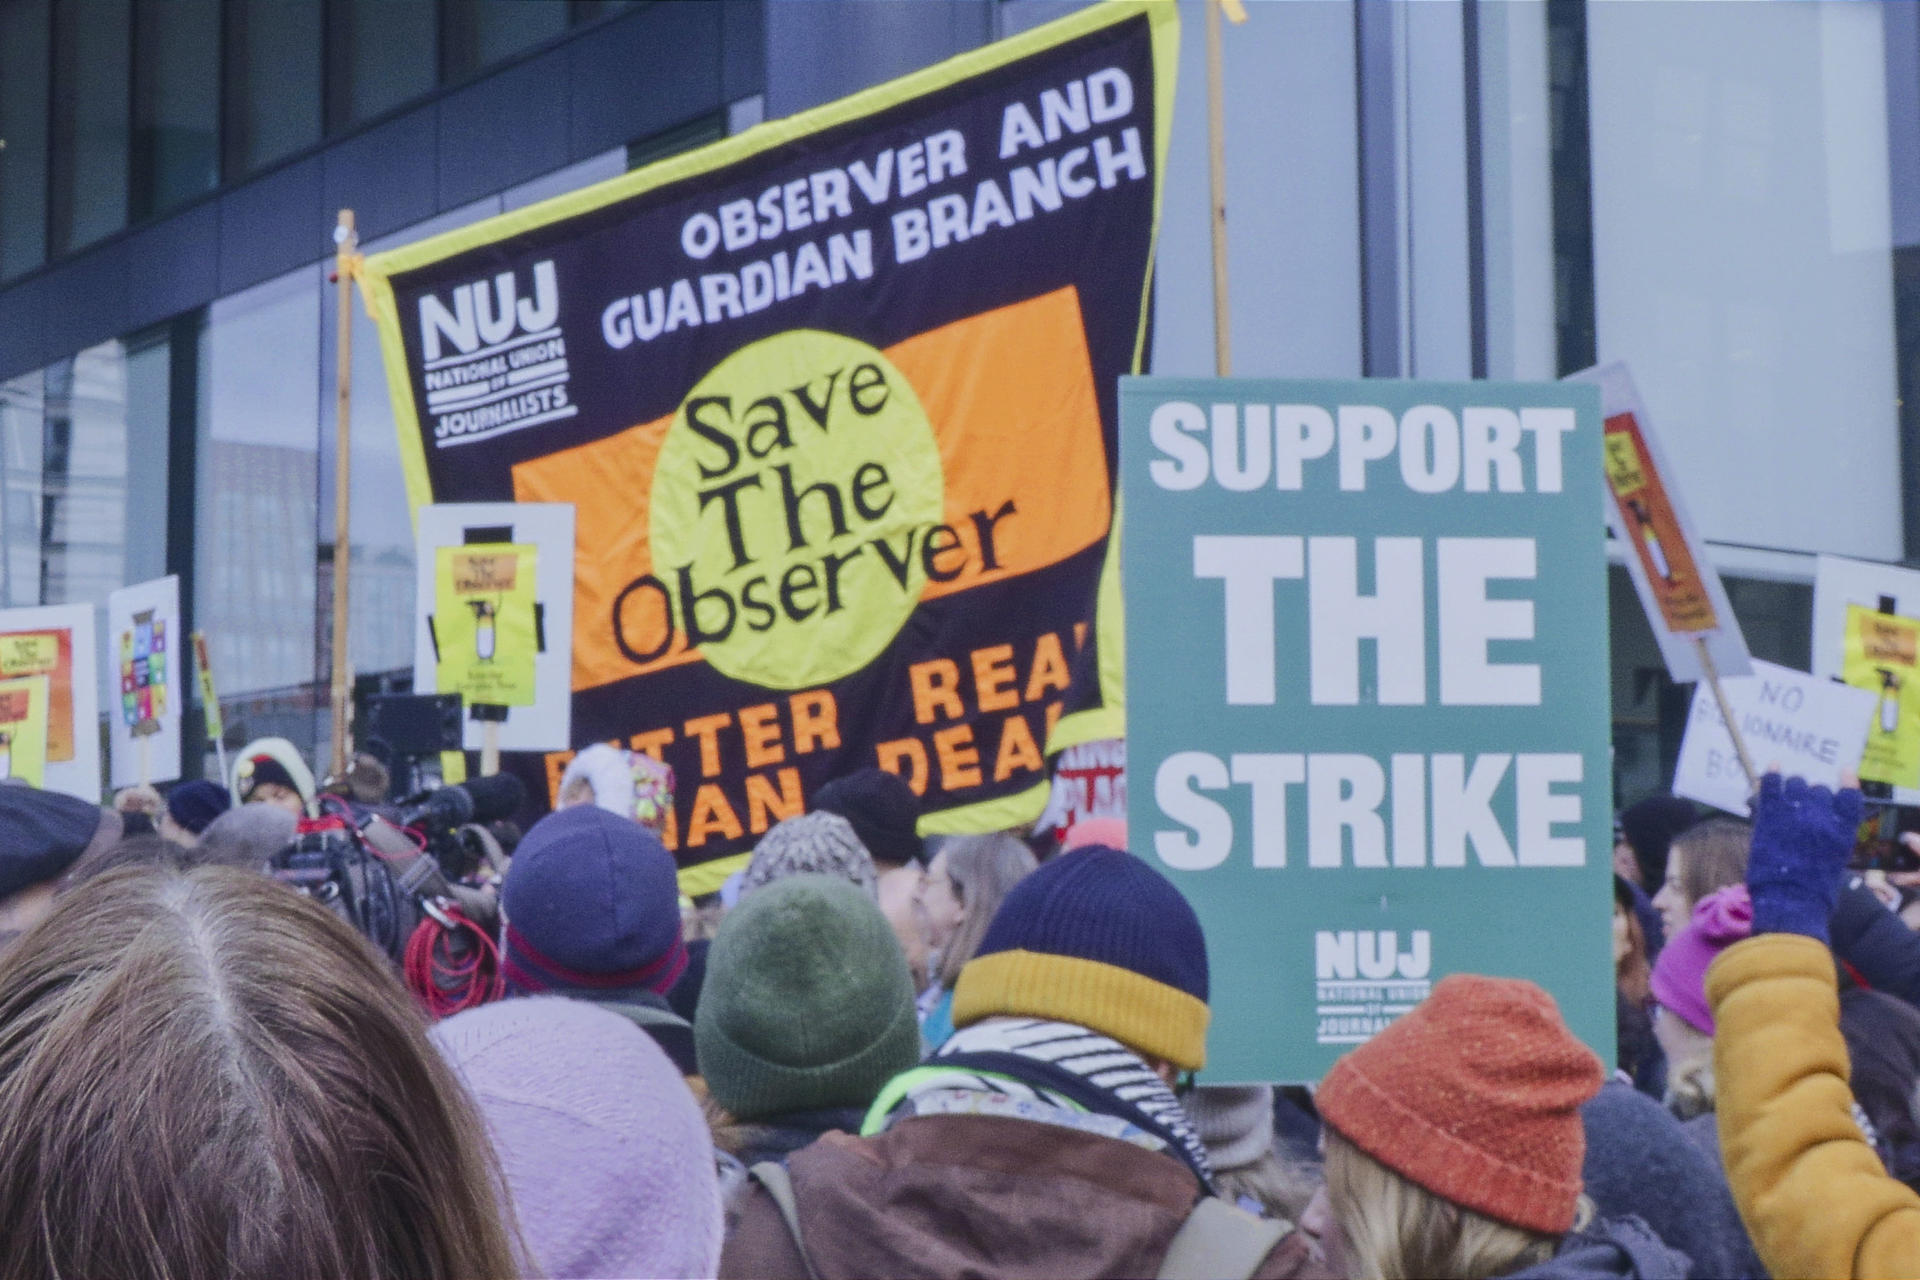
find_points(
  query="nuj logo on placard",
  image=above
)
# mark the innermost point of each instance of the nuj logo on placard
(1365, 978)
(493, 356)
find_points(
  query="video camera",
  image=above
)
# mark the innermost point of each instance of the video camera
(383, 876)
(451, 821)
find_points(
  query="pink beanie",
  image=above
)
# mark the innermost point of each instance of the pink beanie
(1680, 974)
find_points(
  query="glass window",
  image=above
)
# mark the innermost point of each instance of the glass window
(482, 32)
(23, 135)
(380, 53)
(1742, 261)
(176, 103)
(23, 405)
(1292, 196)
(256, 460)
(273, 81)
(88, 196)
(104, 510)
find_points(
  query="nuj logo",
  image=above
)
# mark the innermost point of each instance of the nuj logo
(1366, 954)
(495, 360)
(489, 313)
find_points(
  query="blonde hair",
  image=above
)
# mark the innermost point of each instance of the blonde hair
(1690, 1087)
(1398, 1230)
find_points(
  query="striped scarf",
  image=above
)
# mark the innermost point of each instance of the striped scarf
(1052, 1072)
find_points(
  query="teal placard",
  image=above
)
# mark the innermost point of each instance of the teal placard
(1367, 688)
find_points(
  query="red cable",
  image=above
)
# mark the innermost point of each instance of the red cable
(444, 986)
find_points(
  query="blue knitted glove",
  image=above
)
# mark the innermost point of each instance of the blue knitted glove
(1802, 839)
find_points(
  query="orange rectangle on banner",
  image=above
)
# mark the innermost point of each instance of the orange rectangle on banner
(1011, 399)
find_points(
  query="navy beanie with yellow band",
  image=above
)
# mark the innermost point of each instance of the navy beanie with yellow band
(1100, 939)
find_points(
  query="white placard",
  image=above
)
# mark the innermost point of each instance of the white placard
(1807, 725)
(1839, 582)
(147, 661)
(79, 775)
(547, 725)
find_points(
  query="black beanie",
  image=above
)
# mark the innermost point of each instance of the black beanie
(1650, 826)
(41, 833)
(882, 810)
(263, 769)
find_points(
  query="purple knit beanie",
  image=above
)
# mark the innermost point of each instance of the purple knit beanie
(606, 1155)
(1680, 974)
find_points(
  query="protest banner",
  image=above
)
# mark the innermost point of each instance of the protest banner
(835, 402)
(57, 641)
(23, 729)
(494, 618)
(1368, 699)
(143, 628)
(1811, 727)
(1866, 632)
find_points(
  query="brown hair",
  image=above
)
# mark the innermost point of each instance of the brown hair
(203, 1074)
(1632, 974)
(983, 870)
(1713, 855)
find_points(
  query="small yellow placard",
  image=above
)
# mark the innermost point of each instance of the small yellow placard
(23, 729)
(1882, 656)
(484, 622)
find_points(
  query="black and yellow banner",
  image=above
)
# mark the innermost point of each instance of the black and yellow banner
(835, 403)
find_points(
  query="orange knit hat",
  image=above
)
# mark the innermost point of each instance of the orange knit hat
(1475, 1095)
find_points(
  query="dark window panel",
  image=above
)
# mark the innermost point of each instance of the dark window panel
(87, 198)
(479, 33)
(380, 53)
(273, 83)
(695, 133)
(176, 103)
(24, 41)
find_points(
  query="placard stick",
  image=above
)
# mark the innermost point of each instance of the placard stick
(489, 748)
(344, 241)
(146, 769)
(1726, 711)
(1217, 173)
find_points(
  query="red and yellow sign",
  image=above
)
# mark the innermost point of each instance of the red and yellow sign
(1654, 529)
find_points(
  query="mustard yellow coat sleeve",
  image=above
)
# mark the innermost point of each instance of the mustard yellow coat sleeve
(1815, 1197)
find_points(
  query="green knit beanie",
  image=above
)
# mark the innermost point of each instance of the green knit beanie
(807, 1003)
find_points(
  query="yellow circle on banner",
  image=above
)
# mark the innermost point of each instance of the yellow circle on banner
(791, 505)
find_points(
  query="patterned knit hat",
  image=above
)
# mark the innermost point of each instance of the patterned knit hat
(1102, 940)
(807, 1003)
(592, 906)
(1475, 1095)
(823, 843)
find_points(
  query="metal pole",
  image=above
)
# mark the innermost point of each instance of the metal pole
(1217, 173)
(345, 241)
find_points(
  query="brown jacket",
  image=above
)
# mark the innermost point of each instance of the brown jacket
(976, 1196)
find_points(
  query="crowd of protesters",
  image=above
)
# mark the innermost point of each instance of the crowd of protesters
(875, 1053)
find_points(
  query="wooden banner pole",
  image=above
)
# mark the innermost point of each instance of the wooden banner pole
(345, 242)
(489, 748)
(1726, 712)
(1217, 175)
